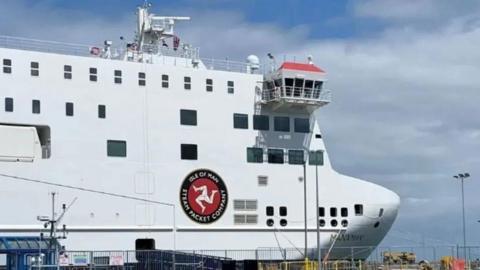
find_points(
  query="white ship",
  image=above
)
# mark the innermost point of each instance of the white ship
(221, 144)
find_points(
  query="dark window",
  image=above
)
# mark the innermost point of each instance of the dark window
(275, 156)
(102, 111)
(261, 122)
(34, 69)
(9, 104)
(333, 211)
(318, 136)
(296, 157)
(334, 223)
(116, 148)
(344, 212)
(302, 125)
(189, 151)
(270, 222)
(69, 109)
(358, 209)
(254, 155)
(281, 123)
(36, 106)
(240, 120)
(93, 74)
(67, 72)
(209, 83)
(145, 244)
(187, 83)
(270, 211)
(283, 222)
(344, 223)
(164, 81)
(117, 74)
(380, 212)
(315, 157)
(321, 211)
(142, 79)
(321, 222)
(230, 87)
(188, 117)
(283, 211)
(7, 66)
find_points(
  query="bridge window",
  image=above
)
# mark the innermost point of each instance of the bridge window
(187, 83)
(189, 151)
(116, 148)
(358, 209)
(333, 211)
(142, 79)
(240, 120)
(230, 87)
(295, 157)
(270, 211)
(69, 109)
(315, 157)
(9, 104)
(275, 156)
(317, 89)
(283, 211)
(164, 81)
(298, 87)
(67, 72)
(117, 76)
(308, 89)
(261, 122)
(102, 111)
(288, 87)
(36, 106)
(321, 211)
(254, 155)
(209, 85)
(188, 117)
(344, 212)
(7, 66)
(301, 125)
(93, 74)
(281, 123)
(34, 69)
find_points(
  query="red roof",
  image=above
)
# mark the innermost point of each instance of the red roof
(300, 66)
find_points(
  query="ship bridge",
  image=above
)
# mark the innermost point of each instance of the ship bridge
(299, 85)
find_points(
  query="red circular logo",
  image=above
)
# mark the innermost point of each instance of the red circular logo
(203, 196)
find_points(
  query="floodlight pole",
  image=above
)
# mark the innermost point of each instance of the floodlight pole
(462, 177)
(305, 207)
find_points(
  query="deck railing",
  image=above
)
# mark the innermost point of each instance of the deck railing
(297, 94)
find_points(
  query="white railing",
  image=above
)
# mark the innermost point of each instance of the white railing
(297, 95)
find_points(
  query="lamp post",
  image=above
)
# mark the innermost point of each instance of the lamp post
(463, 176)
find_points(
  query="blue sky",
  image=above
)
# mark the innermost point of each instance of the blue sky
(404, 76)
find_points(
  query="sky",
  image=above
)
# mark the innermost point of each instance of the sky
(404, 76)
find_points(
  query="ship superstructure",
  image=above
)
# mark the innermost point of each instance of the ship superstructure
(222, 142)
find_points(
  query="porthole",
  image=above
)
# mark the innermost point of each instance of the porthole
(321, 223)
(334, 223)
(376, 224)
(270, 222)
(283, 222)
(344, 223)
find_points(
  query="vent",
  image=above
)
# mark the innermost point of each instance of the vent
(262, 180)
(245, 219)
(245, 205)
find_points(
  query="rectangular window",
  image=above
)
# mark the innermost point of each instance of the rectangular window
(69, 109)
(275, 156)
(34, 69)
(117, 76)
(36, 106)
(209, 83)
(261, 122)
(164, 81)
(358, 209)
(270, 211)
(245, 205)
(283, 211)
(245, 219)
(301, 125)
(142, 79)
(189, 151)
(254, 155)
(188, 117)
(240, 120)
(93, 74)
(230, 87)
(281, 123)
(333, 211)
(102, 111)
(7, 66)
(321, 211)
(296, 157)
(187, 83)
(67, 72)
(315, 158)
(116, 148)
(344, 212)
(9, 104)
